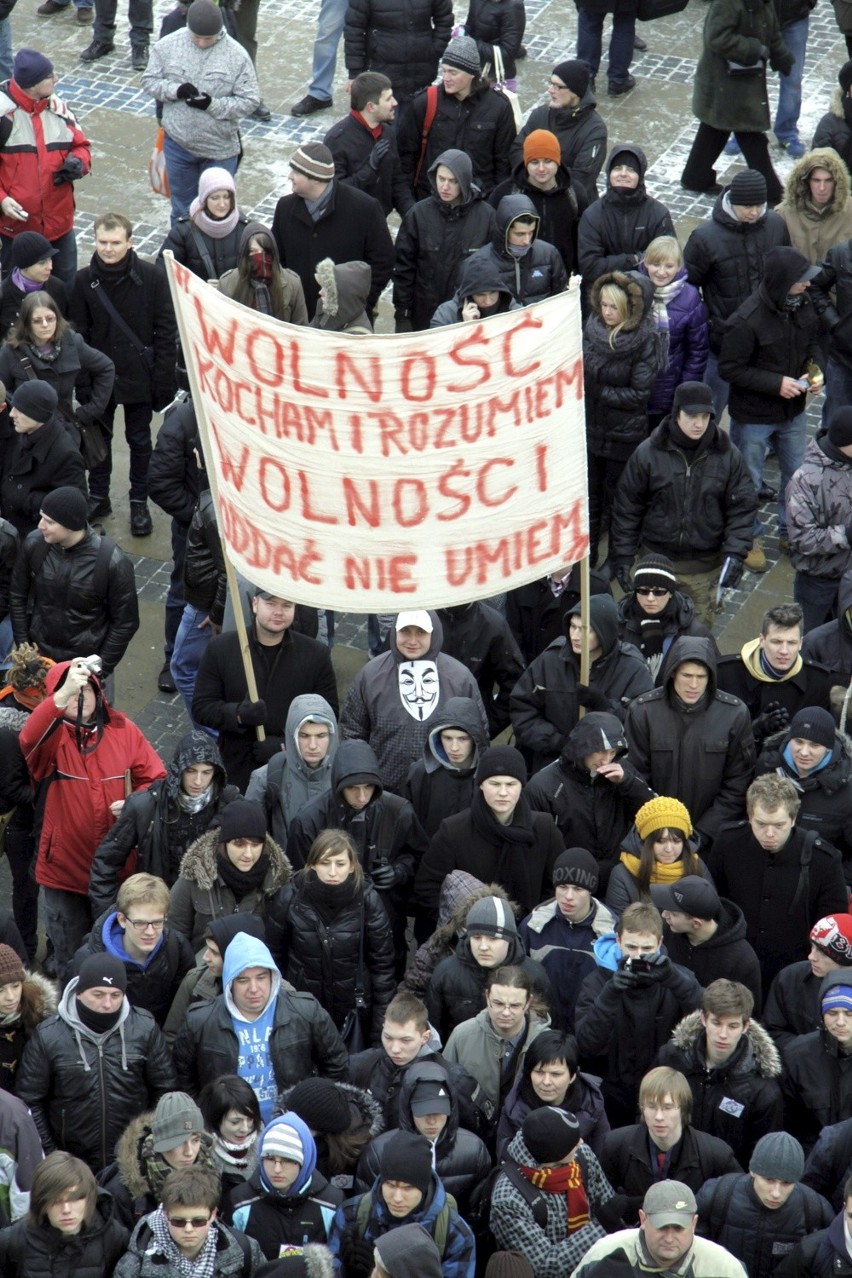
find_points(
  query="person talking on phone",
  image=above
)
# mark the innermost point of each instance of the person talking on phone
(480, 294)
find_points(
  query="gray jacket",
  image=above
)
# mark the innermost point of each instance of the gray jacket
(235, 1254)
(819, 498)
(286, 784)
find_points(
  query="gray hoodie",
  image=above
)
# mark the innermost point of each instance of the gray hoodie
(286, 784)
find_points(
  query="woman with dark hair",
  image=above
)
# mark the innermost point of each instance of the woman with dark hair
(232, 1118)
(659, 850)
(26, 999)
(261, 282)
(42, 344)
(70, 1230)
(551, 1075)
(329, 933)
(343, 1120)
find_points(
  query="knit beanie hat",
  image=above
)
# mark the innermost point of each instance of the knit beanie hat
(66, 506)
(663, 813)
(575, 74)
(813, 724)
(243, 819)
(576, 867)
(840, 426)
(692, 398)
(509, 1264)
(11, 967)
(101, 970)
(501, 761)
(833, 935)
(176, 1118)
(313, 159)
(837, 997)
(407, 1157)
(778, 1156)
(409, 1249)
(550, 1133)
(656, 571)
(463, 54)
(491, 916)
(541, 144)
(280, 1140)
(204, 18)
(36, 399)
(31, 67)
(844, 76)
(322, 1105)
(747, 188)
(29, 247)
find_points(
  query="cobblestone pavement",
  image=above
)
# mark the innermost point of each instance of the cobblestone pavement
(119, 119)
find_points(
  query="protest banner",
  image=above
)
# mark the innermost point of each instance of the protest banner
(368, 473)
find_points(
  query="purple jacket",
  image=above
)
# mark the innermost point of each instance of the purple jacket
(688, 344)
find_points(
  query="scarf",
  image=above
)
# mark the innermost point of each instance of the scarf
(241, 882)
(751, 655)
(216, 228)
(22, 284)
(156, 1169)
(663, 295)
(374, 130)
(112, 271)
(519, 832)
(204, 1265)
(567, 1180)
(47, 354)
(194, 803)
(661, 873)
(328, 899)
(241, 1158)
(261, 266)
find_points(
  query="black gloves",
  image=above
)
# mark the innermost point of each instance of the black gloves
(624, 979)
(378, 153)
(263, 751)
(71, 170)
(610, 1215)
(385, 876)
(186, 91)
(775, 718)
(661, 966)
(201, 102)
(591, 699)
(251, 713)
(355, 1254)
(622, 576)
(402, 323)
(732, 575)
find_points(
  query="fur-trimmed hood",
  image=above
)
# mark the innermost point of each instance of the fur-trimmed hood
(797, 192)
(319, 1263)
(450, 931)
(39, 999)
(128, 1154)
(836, 104)
(363, 1102)
(639, 290)
(764, 1054)
(199, 863)
(346, 286)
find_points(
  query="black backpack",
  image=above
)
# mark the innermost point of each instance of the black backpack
(479, 1211)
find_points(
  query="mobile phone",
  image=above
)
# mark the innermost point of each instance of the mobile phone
(639, 965)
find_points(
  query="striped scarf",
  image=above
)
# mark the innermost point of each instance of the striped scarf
(567, 1180)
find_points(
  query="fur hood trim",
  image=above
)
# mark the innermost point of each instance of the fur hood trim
(836, 107)
(199, 863)
(364, 1102)
(39, 999)
(766, 1055)
(325, 277)
(796, 191)
(638, 288)
(451, 930)
(319, 1262)
(127, 1150)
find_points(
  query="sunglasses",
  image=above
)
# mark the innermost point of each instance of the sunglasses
(181, 1222)
(655, 591)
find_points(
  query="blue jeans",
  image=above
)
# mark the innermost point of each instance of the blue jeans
(788, 438)
(329, 30)
(589, 42)
(6, 62)
(184, 170)
(719, 387)
(817, 597)
(786, 126)
(190, 642)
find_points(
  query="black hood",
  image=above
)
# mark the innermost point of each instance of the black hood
(638, 155)
(461, 713)
(428, 1072)
(509, 208)
(480, 274)
(603, 619)
(597, 730)
(691, 648)
(355, 759)
(782, 267)
(195, 747)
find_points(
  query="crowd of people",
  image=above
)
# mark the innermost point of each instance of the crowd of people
(552, 976)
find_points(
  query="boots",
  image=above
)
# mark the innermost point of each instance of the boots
(140, 519)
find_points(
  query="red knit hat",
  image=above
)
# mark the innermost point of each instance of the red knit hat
(832, 935)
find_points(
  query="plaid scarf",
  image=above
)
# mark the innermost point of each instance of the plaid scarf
(567, 1180)
(155, 1168)
(204, 1264)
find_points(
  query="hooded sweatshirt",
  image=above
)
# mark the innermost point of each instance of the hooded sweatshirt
(409, 1252)
(346, 288)
(436, 787)
(478, 275)
(254, 1061)
(533, 274)
(286, 784)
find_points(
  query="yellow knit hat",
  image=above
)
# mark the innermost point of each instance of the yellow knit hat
(663, 814)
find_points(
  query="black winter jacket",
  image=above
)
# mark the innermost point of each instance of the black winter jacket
(823, 1254)
(686, 506)
(792, 1005)
(435, 239)
(749, 1079)
(584, 1099)
(375, 1072)
(175, 479)
(808, 686)
(142, 298)
(831, 643)
(457, 989)
(702, 754)
(82, 1094)
(619, 371)
(617, 228)
(297, 665)
(755, 1234)
(11, 298)
(832, 296)
(59, 609)
(154, 986)
(545, 700)
(835, 130)
(223, 252)
(829, 1164)
(536, 614)
(500, 22)
(461, 1159)
(32, 466)
(402, 41)
(205, 582)
(764, 341)
(351, 143)
(817, 1085)
(9, 547)
(303, 1042)
(317, 947)
(352, 229)
(726, 954)
(626, 1161)
(436, 787)
(482, 125)
(582, 138)
(559, 209)
(79, 371)
(278, 1222)
(826, 795)
(724, 258)
(537, 275)
(40, 1251)
(479, 637)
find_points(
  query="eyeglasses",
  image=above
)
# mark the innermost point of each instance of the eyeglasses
(553, 84)
(507, 1007)
(142, 925)
(181, 1222)
(656, 592)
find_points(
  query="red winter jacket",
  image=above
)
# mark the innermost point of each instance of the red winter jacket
(42, 136)
(82, 786)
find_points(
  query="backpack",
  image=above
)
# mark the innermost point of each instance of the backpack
(440, 1227)
(720, 1204)
(101, 574)
(479, 1211)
